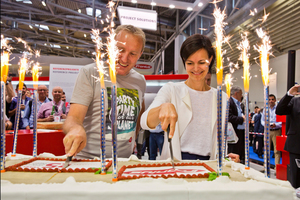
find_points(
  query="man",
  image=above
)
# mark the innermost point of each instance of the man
(275, 127)
(13, 106)
(290, 105)
(83, 122)
(237, 119)
(42, 99)
(156, 141)
(28, 93)
(208, 78)
(49, 110)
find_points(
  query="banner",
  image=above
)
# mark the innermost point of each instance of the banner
(144, 19)
(63, 76)
(145, 68)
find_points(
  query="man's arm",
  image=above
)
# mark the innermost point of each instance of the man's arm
(9, 90)
(75, 139)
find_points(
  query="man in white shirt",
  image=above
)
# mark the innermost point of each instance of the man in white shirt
(275, 127)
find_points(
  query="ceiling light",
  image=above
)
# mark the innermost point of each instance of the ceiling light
(44, 4)
(84, 35)
(28, 2)
(89, 11)
(200, 4)
(58, 31)
(153, 3)
(88, 51)
(45, 44)
(79, 10)
(171, 6)
(189, 9)
(133, 1)
(67, 47)
(30, 27)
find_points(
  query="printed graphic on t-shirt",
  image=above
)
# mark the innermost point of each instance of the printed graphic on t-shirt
(128, 108)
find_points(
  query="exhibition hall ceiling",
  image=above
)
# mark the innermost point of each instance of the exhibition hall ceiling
(63, 27)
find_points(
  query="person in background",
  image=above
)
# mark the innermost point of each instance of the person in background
(10, 94)
(47, 94)
(251, 124)
(257, 138)
(49, 110)
(82, 124)
(290, 105)
(237, 119)
(193, 123)
(208, 78)
(65, 105)
(28, 93)
(42, 99)
(13, 106)
(275, 127)
(156, 141)
(8, 124)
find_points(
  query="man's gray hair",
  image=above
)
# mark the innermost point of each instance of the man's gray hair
(134, 30)
(235, 89)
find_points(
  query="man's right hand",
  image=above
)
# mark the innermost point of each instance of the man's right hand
(50, 118)
(75, 141)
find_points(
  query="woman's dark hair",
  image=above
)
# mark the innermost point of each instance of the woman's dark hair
(193, 44)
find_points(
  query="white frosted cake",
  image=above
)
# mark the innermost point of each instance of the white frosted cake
(242, 184)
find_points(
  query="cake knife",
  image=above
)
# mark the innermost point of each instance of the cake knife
(170, 145)
(68, 160)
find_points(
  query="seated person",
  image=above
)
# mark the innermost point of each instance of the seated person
(42, 99)
(53, 108)
(13, 107)
(65, 105)
(193, 122)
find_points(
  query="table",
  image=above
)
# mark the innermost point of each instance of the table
(50, 141)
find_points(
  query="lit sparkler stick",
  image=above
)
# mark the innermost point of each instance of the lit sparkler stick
(244, 46)
(219, 25)
(113, 55)
(4, 71)
(22, 71)
(35, 78)
(100, 67)
(264, 50)
(228, 86)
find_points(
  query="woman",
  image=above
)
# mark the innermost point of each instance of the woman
(189, 107)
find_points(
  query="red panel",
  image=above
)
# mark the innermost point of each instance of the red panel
(29, 78)
(50, 142)
(280, 141)
(167, 77)
(281, 172)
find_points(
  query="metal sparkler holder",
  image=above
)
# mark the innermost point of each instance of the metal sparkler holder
(34, 110)
(3, 137)
(17, 120)
(219, 127)
(102, 111)
(114, 131)
(247, 131)
(266, 132)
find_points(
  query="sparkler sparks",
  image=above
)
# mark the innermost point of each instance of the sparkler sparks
(228, 82)
(219, 31)
(264, 51)
(244, 46)
(264, 18)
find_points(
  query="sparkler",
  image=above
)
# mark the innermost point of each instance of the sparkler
(113, 52)
(219, 25)
(23, 69)
(4, 70)
(100, 67)
(228, 86)
(244, 46)
(35, 78)
(264, 50)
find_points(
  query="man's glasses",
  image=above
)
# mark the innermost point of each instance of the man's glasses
(40, 90)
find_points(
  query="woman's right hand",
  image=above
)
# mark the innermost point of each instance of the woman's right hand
(168, 116)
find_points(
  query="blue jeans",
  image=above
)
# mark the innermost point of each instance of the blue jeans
(189, 156)
(156, 140)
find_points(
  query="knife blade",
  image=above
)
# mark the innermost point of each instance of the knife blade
(170, 145)
(68, 160)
